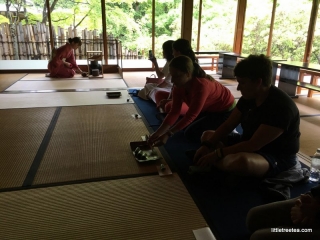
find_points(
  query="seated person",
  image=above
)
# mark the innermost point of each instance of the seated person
(164, 98)
(62, 63)
(209, 103)
(270, 121)
(150, 89)
(301, 212)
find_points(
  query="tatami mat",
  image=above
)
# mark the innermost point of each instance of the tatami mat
(310, 138)
(67, 84)
(52, 99)
(94, 142)
(42, 77)
(6, 80)
(21, 133)
(145, 208)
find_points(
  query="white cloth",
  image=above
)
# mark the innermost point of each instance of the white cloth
(153, 87)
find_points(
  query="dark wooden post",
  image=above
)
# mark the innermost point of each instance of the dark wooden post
(311, 29)
(239, 28)
(271, 27)
(50, 27)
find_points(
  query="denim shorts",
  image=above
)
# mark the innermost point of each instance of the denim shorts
(277, 162)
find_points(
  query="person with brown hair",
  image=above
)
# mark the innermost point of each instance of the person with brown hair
(164, 98)
(209, 103)
(270, 121)
(62, 63)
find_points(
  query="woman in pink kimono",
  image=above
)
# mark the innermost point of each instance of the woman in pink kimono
(62, 63)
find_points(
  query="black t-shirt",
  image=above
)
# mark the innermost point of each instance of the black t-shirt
(278, 110)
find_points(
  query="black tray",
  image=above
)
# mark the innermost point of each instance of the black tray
(148, 153)
(114, 94)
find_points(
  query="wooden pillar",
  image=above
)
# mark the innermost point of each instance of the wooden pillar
(104, 31)
(153, 24)
(271, 27)
(239, 28)
(199, 25)
(50, 27)
(186, 19)
(311, 29)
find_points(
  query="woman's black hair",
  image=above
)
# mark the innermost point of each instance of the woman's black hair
(186, 65)
(75, 40)
(167, 49)
(184, 47)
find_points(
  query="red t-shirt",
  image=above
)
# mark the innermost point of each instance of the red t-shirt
(205, 96)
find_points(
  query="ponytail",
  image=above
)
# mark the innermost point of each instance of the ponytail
(75, 40)
(184, 47)
(200, 73)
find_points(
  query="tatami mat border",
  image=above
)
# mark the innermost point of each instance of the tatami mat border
(64, 90)
(22, 134)
(91, 142)
(42, 149)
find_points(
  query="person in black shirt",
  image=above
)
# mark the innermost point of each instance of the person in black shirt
(270, 122)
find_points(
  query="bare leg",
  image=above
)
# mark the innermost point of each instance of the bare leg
(244, 164)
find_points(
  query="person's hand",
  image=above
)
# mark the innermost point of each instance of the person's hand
(201, 152)
(67, 64)
(163, 103)
(153, 60)
(152, 138)
(78, 70)
(161, 140)
(305, 210)
(296, 214)
(155, 140)
(208, 160)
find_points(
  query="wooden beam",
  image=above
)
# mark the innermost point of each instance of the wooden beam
(104, 31)
(153, 24)
(153, 28)
(271, 27)
(311, 29)
(50, 26)
(239, 28)
(186, 19)
(199, 25)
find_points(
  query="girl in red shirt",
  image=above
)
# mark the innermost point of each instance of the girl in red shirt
(209, 102)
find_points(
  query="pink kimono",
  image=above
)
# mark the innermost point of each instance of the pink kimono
(56, 66)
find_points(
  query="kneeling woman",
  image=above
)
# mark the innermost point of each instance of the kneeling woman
(63, 63)
(210, 103)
